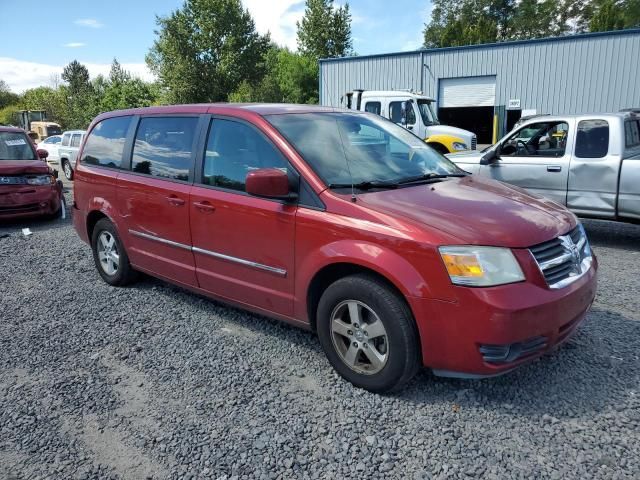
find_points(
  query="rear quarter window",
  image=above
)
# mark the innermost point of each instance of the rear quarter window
(592, 140)
(105, 143)
(632, 133)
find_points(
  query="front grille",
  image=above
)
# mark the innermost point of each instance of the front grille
(11, 180)
(511, 352)
(474, 142)
(564, 259)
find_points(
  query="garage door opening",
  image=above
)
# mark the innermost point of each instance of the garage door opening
(468, 102)
(478, 120)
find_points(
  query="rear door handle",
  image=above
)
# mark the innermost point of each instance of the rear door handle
(554, 168)
(175, 201)
(204, 207)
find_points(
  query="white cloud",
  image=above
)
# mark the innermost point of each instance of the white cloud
(88, 22)
(21, 75)
(278, 17)
(74, 44)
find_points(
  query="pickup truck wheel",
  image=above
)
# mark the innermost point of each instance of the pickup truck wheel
(367, 332)
(110, 256)
(66, 168)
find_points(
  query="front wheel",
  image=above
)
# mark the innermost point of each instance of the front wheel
(368, 334)
(66, 168)
(109, 255)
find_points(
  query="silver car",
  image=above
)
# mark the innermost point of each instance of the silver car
(590, 163)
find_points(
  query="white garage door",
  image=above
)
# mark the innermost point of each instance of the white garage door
(467, 92)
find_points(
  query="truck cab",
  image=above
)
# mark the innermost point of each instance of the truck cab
(416, 113)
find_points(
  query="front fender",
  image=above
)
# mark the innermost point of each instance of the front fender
(446, 140)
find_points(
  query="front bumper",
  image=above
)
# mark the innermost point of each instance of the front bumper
(490, 331)
(23, 201)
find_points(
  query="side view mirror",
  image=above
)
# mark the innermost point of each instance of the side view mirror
(490, 156)
(269, 183)
(42, 154)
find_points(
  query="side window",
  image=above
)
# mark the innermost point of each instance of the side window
(65, 140)
(373, 107)
(592, 140)
(105, 143)
(544, 139)
(395, 112)
(163, 147)
(632, 133)
(233, 150)
(75, 140)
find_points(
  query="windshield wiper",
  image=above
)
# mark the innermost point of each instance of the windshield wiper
(429, 178)
(369, 184)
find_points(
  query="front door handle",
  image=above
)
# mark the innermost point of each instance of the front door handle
(175, 201)
(554, 168)
(204, 207)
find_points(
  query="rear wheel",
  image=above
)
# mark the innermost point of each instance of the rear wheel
(109, 255)
(368, 333)
(66, 168)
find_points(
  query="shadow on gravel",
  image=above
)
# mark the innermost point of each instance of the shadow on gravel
(603, 233)
(584, 376)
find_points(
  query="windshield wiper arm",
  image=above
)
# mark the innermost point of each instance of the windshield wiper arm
(369, 184)
(429, 177)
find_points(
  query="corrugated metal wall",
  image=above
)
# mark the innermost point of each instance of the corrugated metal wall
(580, 74)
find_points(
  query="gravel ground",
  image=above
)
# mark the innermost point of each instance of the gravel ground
(154, 382)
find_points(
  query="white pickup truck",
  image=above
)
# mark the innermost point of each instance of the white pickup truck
(68, 151)
(414, 112)
(589, 163)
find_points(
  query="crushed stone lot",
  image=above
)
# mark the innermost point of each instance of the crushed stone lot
(151, 381)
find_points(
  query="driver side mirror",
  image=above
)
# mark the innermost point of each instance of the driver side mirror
(269, 183)
(491, 156)
(42, 154)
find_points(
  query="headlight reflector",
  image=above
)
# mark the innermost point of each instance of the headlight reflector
(41, 180)
(481, 266)
(459, 146)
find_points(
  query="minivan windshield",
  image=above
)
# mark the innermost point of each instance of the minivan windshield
(426, 111)
(362, 149)
(15, 146)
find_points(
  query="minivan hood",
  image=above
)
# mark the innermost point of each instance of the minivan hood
(477, 211)
(20, 167)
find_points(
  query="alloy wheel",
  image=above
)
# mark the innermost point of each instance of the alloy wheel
(359, 337)
(108, 253)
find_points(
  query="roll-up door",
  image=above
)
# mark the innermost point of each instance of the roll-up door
(467, 92)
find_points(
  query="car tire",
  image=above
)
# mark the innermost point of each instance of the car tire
(67, 170)
(110, 256)
(368, 333)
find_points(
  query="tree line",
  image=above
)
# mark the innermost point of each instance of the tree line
(210, 51)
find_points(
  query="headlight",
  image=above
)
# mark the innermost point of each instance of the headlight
(481, 266)
(459, 146)
(41, 180)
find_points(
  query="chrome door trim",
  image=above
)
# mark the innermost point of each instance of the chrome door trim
(247, 263)
(241, 261)
(159, 240)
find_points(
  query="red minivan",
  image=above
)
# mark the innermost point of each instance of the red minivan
(340, 222)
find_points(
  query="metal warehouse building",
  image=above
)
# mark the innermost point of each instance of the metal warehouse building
(595, 72)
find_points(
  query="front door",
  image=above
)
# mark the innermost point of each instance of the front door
(535, 157)
(154, 197)
(243, 245)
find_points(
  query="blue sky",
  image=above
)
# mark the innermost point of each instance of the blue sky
(39, 38)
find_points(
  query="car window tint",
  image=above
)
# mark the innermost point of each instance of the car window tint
(53, 140)
(543, 139)
(592, 140)
(373, 107)
(65, 140)
(395, 113)
(105, 143)
(163, 147)
(632, 133)
(15, 146)
(75, 140)
(233, 150)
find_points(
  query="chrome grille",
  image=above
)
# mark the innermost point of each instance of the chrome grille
(474, 142)
(564, 259)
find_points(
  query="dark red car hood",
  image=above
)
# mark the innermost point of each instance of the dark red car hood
(20, 167)
(477, 211)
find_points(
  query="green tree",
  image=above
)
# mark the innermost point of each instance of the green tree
(604, 15)
(325, 31)
(7, 97)
(206, 49)
(81, 100)
(121, 90)
(46, 98)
